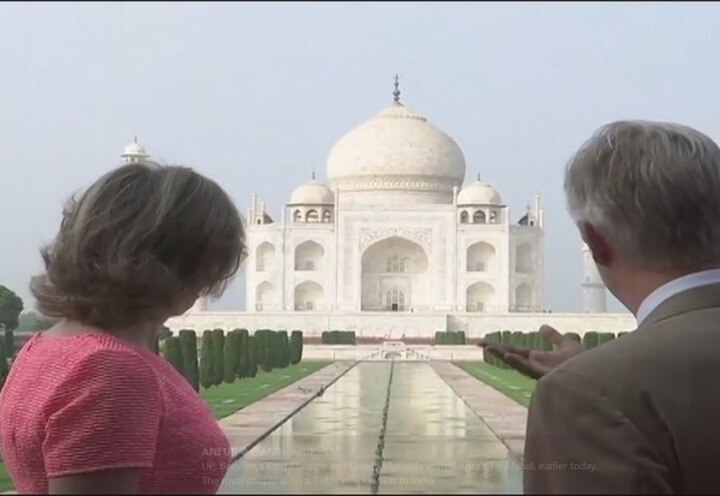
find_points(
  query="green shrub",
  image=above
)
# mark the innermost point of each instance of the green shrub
(252, 368)
(188, 346)
(206, 360)
(231, 356)
(267, 344)
(242, 367)
(218, 343)
(518, 339)
(259, 343)
(173, 353)
(438, 337)
(590, 339)
(574, 336)
(296, 346)
(325, 337)
(284, 348)
(4, 368)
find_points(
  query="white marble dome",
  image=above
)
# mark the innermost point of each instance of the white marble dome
(135, 150)
(479, 193)
(398, 150)
(312, 192)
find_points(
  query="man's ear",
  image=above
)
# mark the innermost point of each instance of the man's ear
(601, 250)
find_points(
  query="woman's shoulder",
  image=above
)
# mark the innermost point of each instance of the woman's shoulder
(87, 357)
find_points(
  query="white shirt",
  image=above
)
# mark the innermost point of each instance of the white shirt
(674, 287)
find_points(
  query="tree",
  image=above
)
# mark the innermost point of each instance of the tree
(188, 345)
(252, 363)
(231, 356)
(218, 356)
(206, 360)
(296, 345)
(173, 353)
(10, 308)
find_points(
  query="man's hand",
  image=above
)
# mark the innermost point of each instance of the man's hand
(536, 363)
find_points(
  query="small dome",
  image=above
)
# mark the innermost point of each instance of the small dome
(479, 193)
(312, 192)
(134, 150)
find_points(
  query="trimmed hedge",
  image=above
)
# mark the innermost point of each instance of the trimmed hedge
(284, 347)
(218, 359)
(206, 360)
(188, 347)
(590, 339)
(338, 337)
(296, 347)
(237, 354)
(231, 356)
(242, 367)
(450, 337)
(252, 367)
(535, 341)
(173, 353)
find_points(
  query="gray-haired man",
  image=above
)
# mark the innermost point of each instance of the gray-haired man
(638, 414)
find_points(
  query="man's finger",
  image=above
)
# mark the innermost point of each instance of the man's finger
(524, 366)
(506, 348)
(551, 334)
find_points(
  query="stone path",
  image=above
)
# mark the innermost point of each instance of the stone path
(506, 418)
(253, 423)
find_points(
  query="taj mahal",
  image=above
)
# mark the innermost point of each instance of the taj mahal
(396, 243)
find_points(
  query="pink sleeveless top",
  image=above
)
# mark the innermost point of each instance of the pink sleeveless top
(77, 404)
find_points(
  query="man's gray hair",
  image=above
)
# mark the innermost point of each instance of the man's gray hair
(653, 190)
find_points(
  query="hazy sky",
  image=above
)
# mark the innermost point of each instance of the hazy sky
(255, 95)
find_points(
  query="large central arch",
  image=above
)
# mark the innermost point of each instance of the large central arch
(395, 276)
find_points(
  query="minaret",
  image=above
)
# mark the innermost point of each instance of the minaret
(593, 287)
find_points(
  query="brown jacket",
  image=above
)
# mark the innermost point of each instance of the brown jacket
(637, 415)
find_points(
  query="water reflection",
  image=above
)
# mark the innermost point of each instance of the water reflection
(434, 444)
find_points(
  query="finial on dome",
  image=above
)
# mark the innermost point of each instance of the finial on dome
(396, 92)
(479, 177)
(313, 174)
(135, 139)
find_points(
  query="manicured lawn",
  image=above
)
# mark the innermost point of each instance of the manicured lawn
(509, 382)
(5, 482)
(229, 398)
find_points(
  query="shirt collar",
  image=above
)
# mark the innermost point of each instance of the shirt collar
(676, 286)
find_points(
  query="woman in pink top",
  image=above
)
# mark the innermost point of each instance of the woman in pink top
(88, 407)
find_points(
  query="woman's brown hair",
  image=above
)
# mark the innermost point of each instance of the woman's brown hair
(138, 241)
